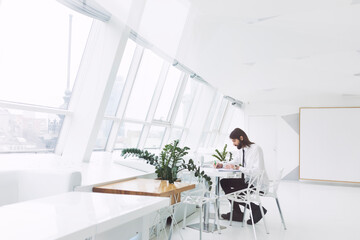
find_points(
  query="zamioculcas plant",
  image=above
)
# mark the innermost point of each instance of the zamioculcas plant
(169, 163)
(221, 156)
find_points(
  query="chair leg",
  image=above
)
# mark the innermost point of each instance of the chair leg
(252, 220)
(263, 216)
(201, 223)
(243, 221)
(231, 212)
(184, 219)
(282, 218)
(174, 222)
(217, 216)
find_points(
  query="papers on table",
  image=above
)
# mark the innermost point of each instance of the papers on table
(227, 170)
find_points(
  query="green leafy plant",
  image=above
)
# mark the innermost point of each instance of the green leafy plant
(169, 163)
(221, 156)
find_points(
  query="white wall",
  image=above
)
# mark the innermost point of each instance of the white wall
(287, 139)
(287, 135)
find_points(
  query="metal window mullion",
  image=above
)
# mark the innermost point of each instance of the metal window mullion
(153, 105)
(166, 136)
(216, 112)
(113, 118)
(220, 114)
(227, 119)
(136, 121)
(179, 97)
(184, 135)
(173, 102)
(125, 96)
(194, 103)
(160, 123)
(223, 120)
(144, 133)
(157, 93)
(35, 108)
(207, 124)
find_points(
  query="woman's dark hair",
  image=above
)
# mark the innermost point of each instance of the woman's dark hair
(236, 133)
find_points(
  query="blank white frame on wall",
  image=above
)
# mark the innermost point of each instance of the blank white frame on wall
(329, 143)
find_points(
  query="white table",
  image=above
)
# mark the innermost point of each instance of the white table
(79, 215)
(218, 174)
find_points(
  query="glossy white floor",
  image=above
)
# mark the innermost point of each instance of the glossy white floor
(311, 211)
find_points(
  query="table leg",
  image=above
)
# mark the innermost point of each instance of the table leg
(217, 193)
(209, 227)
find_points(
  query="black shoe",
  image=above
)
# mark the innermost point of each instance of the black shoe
(237, 216)
(257, 217)
(225, 216)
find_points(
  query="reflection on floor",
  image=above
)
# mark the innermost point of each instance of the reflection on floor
(311, 211)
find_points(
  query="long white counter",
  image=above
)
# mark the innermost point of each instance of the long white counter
(79, 215)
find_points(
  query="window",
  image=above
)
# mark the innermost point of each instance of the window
(157, 102)
(186, 103)
(218, 118)
(167, 95)
(27, 131)
(34, 51)
(175, 134)
(155, 137)
(103, 134)
(128, 135)
(144, 86)
(120, 78)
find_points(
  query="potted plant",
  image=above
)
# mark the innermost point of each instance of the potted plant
(169, 163)
(221, 156)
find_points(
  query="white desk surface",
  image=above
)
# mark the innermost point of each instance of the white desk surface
(73, 215)
(213, 172)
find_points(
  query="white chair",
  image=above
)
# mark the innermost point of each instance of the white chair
(273, 187)
(199, 197)
(160, 221)
(248, 195)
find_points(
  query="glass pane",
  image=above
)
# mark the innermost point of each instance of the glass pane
(120, 78)
(34, 51)
(24, 131)
(175, 134)
(103, 134)
(210, 118)
(219, 115)
(128, 135)
(155, 137)
(212, 138)
(237, 120)
(203, 139)
(227, 119)
(221, 140)
(186, 103)
(168, 94)
(144, 86)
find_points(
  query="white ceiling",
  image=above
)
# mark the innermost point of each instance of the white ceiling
(266, 51)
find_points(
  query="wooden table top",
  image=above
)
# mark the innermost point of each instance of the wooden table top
(147, 187)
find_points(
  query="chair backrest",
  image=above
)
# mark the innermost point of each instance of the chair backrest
(255, 181)
(189, 177)
(201, 190)
(274, 184)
